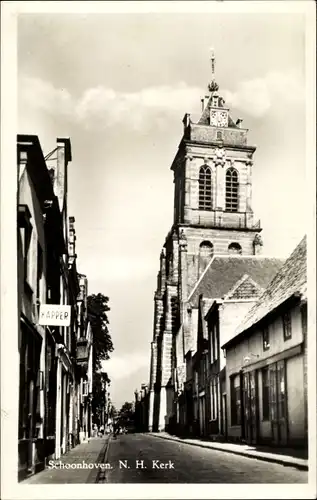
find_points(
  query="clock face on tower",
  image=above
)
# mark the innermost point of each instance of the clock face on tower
(219, 118)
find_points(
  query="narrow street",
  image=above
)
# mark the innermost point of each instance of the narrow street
(136, 458)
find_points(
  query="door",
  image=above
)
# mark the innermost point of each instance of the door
(30, 424)
(224, 415)
(201, 416)
(278, 403)
(250, 404)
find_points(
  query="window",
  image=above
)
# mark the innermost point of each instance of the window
(232, 187)
(219, 135)
(304, 319)
(235, 400)
(39, 270)
(266, 338)
(205, 202)
(234, 248)
(265, 394)
(85, 388)
(214, 344)
(25, 227)
(287, 325)
(206, 249)
(213, 398)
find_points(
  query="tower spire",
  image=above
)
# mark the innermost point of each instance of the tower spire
(213, 86)
(213, 60)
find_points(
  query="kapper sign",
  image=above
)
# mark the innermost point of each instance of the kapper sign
(54, 315)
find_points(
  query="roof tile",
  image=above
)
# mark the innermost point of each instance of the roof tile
(224, 271)
(291, 278)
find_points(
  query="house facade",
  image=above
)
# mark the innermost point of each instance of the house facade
(266, 362)
(235, 283)
(212, 216)
(38, 217)
(47, 275)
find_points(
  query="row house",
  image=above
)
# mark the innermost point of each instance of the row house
(229, 288)
(266, 362)
(84, 366)
(47, 277)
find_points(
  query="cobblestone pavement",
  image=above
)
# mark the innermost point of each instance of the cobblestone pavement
(90, 453)
(137, 458)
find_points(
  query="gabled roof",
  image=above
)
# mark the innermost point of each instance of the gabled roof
(244, 288)
(223, 272)
(290, 279)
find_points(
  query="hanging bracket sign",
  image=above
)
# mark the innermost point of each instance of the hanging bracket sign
(54, 315)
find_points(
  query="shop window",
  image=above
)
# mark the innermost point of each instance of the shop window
(287, 325)
(281, 389)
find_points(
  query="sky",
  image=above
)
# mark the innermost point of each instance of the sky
(119, 85)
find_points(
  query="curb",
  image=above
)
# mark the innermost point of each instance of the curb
(94, 475)
(102, 458)
(286, 463)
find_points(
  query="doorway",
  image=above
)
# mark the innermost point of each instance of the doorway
(250, 404)
(277, 395)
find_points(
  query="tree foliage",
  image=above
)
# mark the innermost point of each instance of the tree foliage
(126, 414)
(100, 381)
(97, 308)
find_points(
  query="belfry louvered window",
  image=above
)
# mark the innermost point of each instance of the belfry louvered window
(232, 189)
(205, 202)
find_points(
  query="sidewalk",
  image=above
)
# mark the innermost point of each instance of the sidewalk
(287, 457)
(91, 452)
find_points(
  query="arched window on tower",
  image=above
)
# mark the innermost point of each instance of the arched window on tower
(206, 251)
(205, 201)
(232, 189)
(235, 248)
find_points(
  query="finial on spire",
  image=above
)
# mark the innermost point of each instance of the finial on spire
(213, 86)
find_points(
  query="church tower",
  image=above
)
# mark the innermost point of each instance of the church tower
(212, 216)
(213, 185)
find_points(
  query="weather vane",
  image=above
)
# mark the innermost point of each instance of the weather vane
(212, 58)
(213, 86)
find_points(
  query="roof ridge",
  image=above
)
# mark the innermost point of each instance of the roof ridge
(242, 256)
(200, 278)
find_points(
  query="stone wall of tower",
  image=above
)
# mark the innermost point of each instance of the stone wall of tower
(220, 239)
(219, 160)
